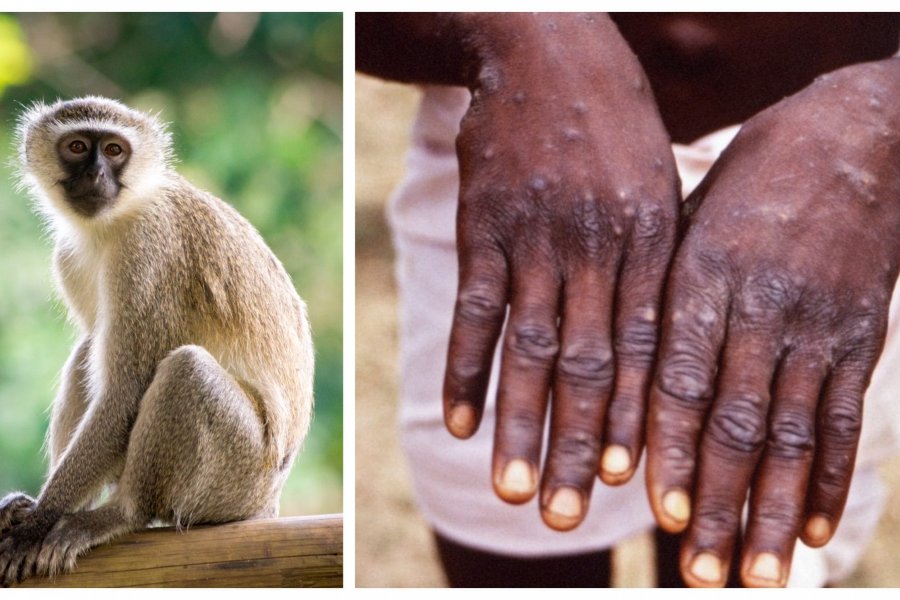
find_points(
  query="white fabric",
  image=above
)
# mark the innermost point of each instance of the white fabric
(451, 477)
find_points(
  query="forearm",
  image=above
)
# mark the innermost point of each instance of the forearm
(456, 48)
(100, 440)
(97, 447)
(71, 402)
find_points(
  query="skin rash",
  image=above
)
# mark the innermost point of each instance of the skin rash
(746, 351)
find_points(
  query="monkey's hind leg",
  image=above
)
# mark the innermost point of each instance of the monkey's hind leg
(197, 450)
(196, 455)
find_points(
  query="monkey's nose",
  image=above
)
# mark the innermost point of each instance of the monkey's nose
(95, 174)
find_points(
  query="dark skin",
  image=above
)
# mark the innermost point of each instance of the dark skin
(93, 160)
(776, 313)
(557, 239)
(776, 302)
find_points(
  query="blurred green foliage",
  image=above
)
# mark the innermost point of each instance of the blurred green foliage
(255, 106)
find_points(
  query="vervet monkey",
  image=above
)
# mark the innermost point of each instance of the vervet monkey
(190, 388)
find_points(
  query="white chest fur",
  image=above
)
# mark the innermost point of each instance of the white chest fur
(79, 268)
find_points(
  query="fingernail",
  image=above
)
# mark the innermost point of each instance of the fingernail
(517, 480)
(818, 530)
(462, 420)
(565, 508)
(707, 567)
(677, 506)
(616, 460)
(767, 566)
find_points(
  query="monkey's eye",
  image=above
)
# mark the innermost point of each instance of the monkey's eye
(77, 147)
(113, 150)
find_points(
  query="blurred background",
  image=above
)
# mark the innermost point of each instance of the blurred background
(255, 106)
(394, 547)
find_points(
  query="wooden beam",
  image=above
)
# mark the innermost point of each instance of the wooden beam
(285, 552)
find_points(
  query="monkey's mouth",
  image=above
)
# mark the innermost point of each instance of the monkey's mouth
(87, 198)
(89, 205)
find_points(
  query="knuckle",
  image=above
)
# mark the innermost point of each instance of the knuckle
(466, 369)
(864, 336)
(716, 514)
(534, 342)
(576, 451)
(701, 260)
(481, 303)
(625, 415)
(674, 443)
(636, 339)
(768, 295)
(586, 363)
(679, 459)
(842, 421)
(791, 436)
(776, 516)
(653, 225)
(591, 226)
(520, 424)
(740, 424)
(831, 483)
(685, 375)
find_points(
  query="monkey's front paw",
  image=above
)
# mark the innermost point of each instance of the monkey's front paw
(14, 508)
(18, 553)
(62, 546)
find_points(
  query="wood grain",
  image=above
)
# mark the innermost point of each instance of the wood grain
(285, 552)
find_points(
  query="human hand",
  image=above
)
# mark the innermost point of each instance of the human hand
(776, 313)
(567, 213)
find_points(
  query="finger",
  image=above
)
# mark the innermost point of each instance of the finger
(530, 347)
(583, 379)
(730, 447)
(778, 498)
(636, 335)
(838, 425)
(693, 331)
(477, 322)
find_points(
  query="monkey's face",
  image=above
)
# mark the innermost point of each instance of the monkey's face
(92, 161)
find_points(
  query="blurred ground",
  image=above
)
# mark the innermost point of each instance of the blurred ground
(393, 544)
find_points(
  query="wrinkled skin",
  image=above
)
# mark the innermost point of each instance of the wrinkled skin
(775, 316)
(569, 221)
(777, 303)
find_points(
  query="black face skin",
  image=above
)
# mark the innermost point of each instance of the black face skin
(93, 161)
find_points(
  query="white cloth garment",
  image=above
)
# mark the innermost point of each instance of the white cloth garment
(451, 478)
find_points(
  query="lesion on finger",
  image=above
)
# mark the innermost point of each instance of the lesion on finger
(636, 338)
(738, 428)
(684, 376)
(481, 303)
(791, 436)
(532, 343)
(586, 363)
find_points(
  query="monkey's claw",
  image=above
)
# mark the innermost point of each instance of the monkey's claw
(17, 558)
(60, 549)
